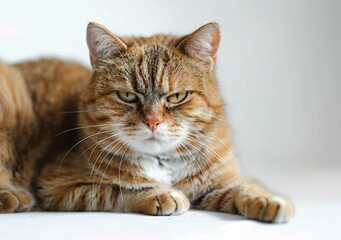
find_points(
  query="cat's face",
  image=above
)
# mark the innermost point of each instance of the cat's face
(153, 98)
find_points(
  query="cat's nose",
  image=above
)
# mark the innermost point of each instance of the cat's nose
(152, 123)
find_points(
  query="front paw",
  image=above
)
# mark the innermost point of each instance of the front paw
(15, 201)
(163, 203)
(274, 209)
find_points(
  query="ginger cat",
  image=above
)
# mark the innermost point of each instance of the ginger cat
(145, 132)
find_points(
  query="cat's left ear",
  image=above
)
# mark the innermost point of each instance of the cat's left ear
(203, 43)
(102, 43)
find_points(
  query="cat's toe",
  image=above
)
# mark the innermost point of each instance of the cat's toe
(15, 201)
(8, 202)
(255, 207)
(164, 203)
(26, 201)
(274, 209)
(279, 210)
(182, 203)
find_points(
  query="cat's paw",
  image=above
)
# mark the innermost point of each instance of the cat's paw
(274, 209)
(15, 201)
(164, 203)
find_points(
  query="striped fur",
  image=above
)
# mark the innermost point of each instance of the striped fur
(32, 96)
(150, 155)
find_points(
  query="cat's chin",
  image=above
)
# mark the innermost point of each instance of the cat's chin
(153, 146)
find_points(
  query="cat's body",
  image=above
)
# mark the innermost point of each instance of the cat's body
(33, 99)
(146, 134)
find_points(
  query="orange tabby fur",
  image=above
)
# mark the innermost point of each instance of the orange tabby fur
(32, 94)
(125, 146)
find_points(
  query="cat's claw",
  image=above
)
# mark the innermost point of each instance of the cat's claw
(274, 209)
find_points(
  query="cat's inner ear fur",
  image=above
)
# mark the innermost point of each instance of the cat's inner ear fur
(102, 43)
(203, 43)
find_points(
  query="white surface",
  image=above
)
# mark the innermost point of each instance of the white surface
(279, 71)
(198, 225)
(318, 216)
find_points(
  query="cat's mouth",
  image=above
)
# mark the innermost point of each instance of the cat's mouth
(153, 144)
(153, 139)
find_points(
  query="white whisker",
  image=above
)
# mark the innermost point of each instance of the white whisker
(205, 178)
(82, 127)
(77, 145)
(98, 143)
(117, 141)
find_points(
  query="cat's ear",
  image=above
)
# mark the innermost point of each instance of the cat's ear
(102, 43)
(203, 43)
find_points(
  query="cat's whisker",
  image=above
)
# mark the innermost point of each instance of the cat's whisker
(94, 164)
(208, 159)
(108, 164)
(110, 144)
(215, 117)
(119, 169)
(118, 140)
(188, 172)
(81, 127)
(95, 146)
(205, 157)
(205, 178)
(81, 111)
(75, 145)
(108, 152)
(131, 194)
(214, 152)
(100, 131)
(215, 137)
(103, 174)
(206, 138)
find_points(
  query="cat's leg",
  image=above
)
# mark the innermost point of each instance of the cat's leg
(13, 197)
(8, 201)
(15, 120)
(245, 197)
(71, 188)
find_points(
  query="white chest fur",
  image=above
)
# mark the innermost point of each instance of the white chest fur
(165, 171)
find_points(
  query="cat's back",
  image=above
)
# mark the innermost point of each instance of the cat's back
(54, 86)
(51, 80)
(49, 84)
(15, 107)
(34, 95)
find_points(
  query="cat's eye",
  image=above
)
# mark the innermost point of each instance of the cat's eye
(177, 97)
(128, 97)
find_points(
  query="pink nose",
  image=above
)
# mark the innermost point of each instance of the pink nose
(152, 123)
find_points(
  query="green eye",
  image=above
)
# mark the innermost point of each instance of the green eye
(128, 97)
(177, 97)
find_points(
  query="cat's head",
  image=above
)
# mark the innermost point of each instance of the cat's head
(152, 95)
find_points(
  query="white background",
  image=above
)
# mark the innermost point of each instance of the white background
(279, 69)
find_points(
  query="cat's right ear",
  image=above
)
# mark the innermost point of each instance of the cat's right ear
(102, 43)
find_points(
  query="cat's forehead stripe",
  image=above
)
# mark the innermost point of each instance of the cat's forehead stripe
(153, 75)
